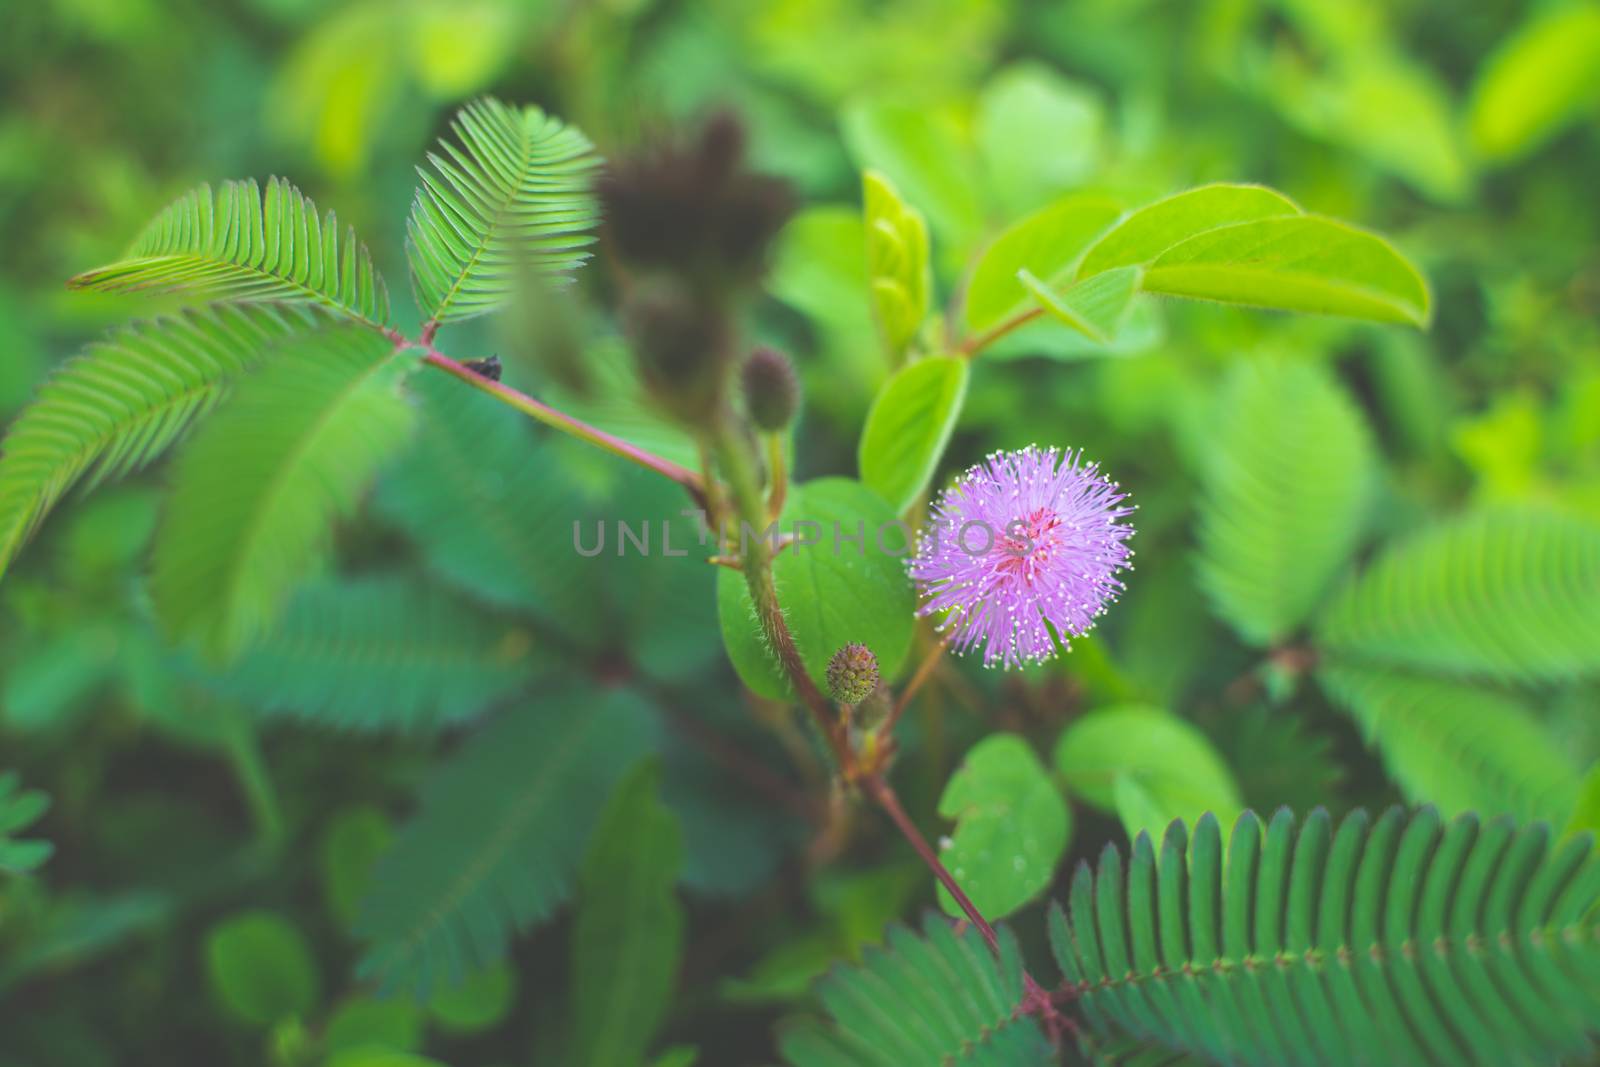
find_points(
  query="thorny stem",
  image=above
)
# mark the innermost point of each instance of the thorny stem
(973, 345)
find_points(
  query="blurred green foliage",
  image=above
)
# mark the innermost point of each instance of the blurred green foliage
(1368, 556)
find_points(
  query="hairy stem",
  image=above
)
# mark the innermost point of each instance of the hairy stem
(755, 557)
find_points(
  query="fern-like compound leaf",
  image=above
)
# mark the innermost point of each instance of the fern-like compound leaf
(1459, 746)
(381, 654)
(1399, 941)
(513, 197)
(243, 243)
(122, 402)
(941, 998)
(1286, 488)
(502, 827)
(256, 492)
(1509, 593)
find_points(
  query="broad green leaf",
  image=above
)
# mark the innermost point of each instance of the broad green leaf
(1586, 812)
(369, 1057)
(923, 151)
(372, 1025)
(909, 426)
(832, 592)
(1095, 307)
(256, 492)
(1545, 77)
(1508, 592)
(1024, 106)
(243, 244)
(18, 811)
(1458, 746)
(1047, 243)
(500, 830)
(898, 274)
(1175, 770)
(515, 196)
(350, 846)
(1150, 231)
(1012, 827)
(260, 968)
(120, 404)
(1302, 263)
(1287, 483)
(628, 936)
(480, 1003)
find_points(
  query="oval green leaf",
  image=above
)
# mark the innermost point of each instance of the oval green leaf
(1047, 243)
(1094, 307)
(1539, 81)
(832, 592)
(1174, 770)
(1301, 263)
(1012, 826)
(909, 426)
(260, 968)
(1150, 231)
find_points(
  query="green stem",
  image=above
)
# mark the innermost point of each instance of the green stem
(973, 345)
(251, 771)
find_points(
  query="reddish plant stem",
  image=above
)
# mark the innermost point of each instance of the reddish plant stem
(924, 672)
(560, 420)
(883, 794)
(973, 345)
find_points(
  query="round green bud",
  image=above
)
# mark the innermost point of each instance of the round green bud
(852, 674)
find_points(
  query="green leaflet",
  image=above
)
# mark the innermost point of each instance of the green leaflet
(934, 999)
(909, 426)
(1012, 827)
(1505, 593)
(1540, 80)
(382, 654)
(18, 811)
(1173, 770)
(120, 404)
(1305, 263)
(832, 592)
(515, 196)
(898, 275)
(248, 244)
(499, 834)
(1458, 746)
(1094, 307)
(1145, 234)
(1048, 244)
(257, 490)
(1307, 947)
(261, 968)
(1287, 481)
(629, 933)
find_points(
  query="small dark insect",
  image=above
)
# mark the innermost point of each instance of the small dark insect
(489, 368)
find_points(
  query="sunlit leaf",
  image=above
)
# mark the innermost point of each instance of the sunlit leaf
(898, 273)
(908, 427)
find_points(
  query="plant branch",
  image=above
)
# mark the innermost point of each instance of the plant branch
(924, 672)
(560, 420)
(973, 345)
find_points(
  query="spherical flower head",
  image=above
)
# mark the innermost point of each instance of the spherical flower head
(852, 674)
(1021, 543)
